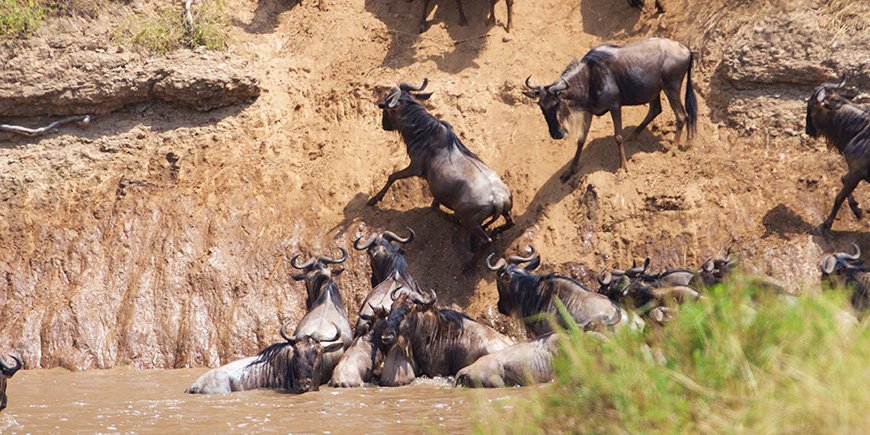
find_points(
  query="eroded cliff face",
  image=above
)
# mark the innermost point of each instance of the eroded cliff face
(160, 236)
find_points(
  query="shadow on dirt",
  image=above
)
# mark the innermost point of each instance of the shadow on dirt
(606, 18)
(785, 222)
(265, 19)
(402, 19)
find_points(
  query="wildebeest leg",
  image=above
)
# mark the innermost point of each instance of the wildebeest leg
(679, 111)
(856, 210)
(510, 4)
(616, 114)
(449, 216)
(850, 182)
(410, 171)
(575, 162)
(659, 7)
(425, 14)
(491, 19)
(655, 108)
(508, 224)
(462, 20)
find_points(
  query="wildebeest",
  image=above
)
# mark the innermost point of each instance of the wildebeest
(609, 77)
(463, 20)
(362, 361)
(389, 271)
(846, 127)
(849, 271)
(7, 372)
(429, 341)
(325, 309)
(457, 178)
(639, 289)
(521, 364)
(533, 297)
(293, 365)
(641, 3)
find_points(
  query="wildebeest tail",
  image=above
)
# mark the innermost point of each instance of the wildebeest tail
(498, 208)
(691, 101)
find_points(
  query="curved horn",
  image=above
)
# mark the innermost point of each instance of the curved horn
(284, 334)
(515, 259)
(393, 237)
(9, 371)
(854, 257)
(708, 266)
(321, 339)
(411, 88)
(558, 86)
(329, 260)
(303, 265)
(604, 277)
(498, 264)
(432, 298)
(393, 294)
(533, 87)
(365, 245)
(828, 264)
(640, 269)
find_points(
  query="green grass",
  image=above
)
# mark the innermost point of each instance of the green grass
(165, 30)
(20, 18)
(720, 366)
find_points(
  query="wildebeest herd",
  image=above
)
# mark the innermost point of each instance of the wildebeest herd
(401, 332)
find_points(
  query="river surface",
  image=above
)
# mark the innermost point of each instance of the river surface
(129, 400)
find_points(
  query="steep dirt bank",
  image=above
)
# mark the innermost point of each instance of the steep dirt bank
(160, 237)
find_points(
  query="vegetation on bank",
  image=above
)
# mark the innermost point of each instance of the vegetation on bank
(158, 31)
(739, 361)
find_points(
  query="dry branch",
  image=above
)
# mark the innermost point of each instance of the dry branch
(83, 120)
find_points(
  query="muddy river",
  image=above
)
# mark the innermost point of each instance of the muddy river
(128, 400)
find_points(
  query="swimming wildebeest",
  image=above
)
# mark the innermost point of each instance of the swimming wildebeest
(846, 127)
(532, 297)
(325, 309)
(848, 270)
(457, 178)
(6, 372)
(293, 365)
(361, 362)
(609, 77)
(521, 364)
(389, 271)
(425, 340)
(463, 20)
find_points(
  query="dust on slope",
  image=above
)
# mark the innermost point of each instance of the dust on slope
(161, 238)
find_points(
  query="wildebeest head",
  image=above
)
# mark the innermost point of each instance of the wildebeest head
(383, 249)
(404, 305)
(5, 373)
(715, 270)
(835, 264)
(398, 97)
(508, 273)
(826, 99)
(550, 101)
(307, 357)
(620, 284)
(316, 273)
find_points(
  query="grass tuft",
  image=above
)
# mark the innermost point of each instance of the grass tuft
(740, 361)
(165, 30)
(20, 18)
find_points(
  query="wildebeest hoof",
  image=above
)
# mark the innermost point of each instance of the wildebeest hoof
(566, 176)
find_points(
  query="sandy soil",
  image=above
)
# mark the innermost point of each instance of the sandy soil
(160, 237)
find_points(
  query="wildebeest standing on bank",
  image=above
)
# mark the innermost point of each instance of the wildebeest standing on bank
(6, 372)
(325, 309)
(846, 127)
(532, 297)
(521, 364)
(463, 20)
(425, 340)
(293, 365)
(457, 178)
(609, 77)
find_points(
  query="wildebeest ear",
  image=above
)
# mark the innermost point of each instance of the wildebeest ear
(828, 264)
(534, 264)
(821, 95)
(338, 271)
(333, 347)
(422, 97)
(298, 277)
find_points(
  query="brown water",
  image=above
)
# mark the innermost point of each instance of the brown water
(128, 400)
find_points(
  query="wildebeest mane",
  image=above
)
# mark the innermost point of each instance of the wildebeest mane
(423, 127)
(270, 354)
(851, 124)
(453, 316)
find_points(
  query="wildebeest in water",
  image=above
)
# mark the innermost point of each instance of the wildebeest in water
(6, 372)
(609, 77)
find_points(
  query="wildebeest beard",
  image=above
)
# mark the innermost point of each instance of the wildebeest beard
(293, 367)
